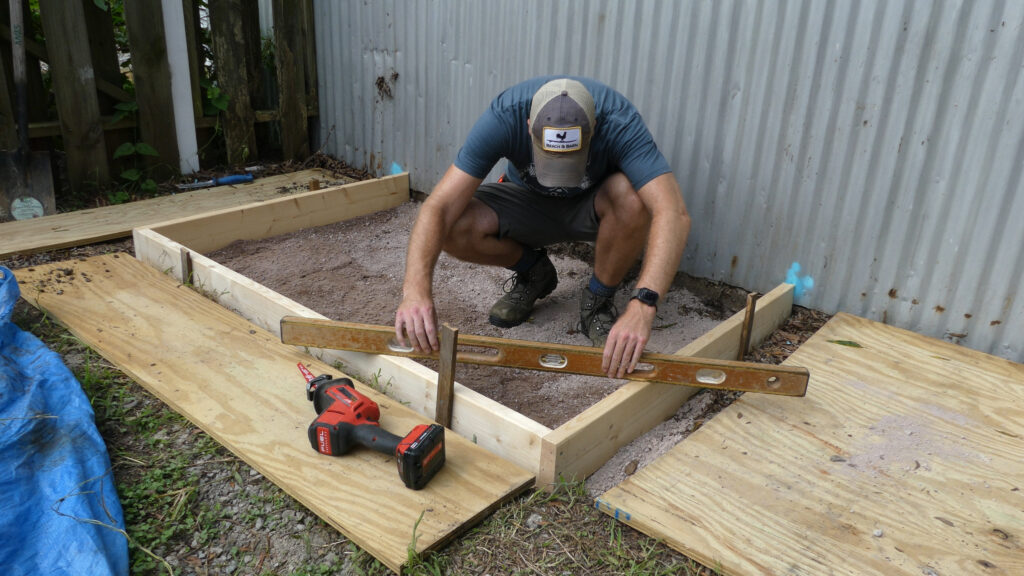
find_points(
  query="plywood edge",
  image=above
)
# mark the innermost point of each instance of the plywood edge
(214, 230)
(579, 447)
(16, 248)
(58, 231)
(501, 430)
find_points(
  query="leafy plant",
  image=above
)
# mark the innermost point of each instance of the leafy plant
(215, 101)
(133, 176)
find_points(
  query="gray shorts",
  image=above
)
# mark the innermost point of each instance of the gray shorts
(536, 220)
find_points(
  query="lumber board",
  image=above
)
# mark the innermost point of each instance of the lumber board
(215, 229)
(499, 429)
(579, 447)
(241, 385)
(117, 221)
(905, 457)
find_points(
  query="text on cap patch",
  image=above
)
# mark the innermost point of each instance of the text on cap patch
(563, 139)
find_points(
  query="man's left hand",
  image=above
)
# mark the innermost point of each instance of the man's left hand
(627, 339)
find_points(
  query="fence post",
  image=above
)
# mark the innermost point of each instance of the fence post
(8, 131)
(74, 86)
(148, 43)
(289, 48)
(228, 39)
(103, 50)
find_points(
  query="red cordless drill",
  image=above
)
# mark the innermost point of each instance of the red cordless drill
(346, 418)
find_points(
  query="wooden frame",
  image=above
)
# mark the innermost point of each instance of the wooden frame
(571, 451)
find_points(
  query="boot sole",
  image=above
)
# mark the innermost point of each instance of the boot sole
(502, 323)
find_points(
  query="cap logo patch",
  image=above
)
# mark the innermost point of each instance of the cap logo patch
(563, 139)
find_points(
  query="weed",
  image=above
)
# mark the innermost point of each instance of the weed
(376, 384)
(417, 564)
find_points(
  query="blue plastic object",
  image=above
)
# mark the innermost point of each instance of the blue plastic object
(59, 510)
(233, 179)
(801, 284)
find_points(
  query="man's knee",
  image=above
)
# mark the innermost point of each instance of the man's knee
(476, 222)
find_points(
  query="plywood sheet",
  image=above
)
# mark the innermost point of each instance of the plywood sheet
(98, 224)
(905, 457)
(242, 386)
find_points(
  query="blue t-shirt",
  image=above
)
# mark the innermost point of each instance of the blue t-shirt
(621, 141)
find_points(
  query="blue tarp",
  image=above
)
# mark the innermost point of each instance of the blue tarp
(56, 483)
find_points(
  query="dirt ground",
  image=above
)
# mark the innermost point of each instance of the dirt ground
(353, 271)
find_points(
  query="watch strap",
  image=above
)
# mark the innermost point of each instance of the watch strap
(646, 296)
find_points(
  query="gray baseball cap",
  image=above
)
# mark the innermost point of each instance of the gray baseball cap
(561, 125)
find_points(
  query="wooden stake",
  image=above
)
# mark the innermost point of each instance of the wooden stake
(186, 266)
(748, 321)
(446, 376)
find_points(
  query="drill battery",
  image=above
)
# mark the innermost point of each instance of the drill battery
(421, 455)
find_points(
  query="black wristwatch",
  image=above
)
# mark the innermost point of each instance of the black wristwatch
(646, 296)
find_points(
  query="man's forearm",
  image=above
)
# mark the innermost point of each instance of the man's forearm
(670, 228)
(425, 243)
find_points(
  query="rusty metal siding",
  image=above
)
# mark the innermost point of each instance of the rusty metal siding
(879, 145)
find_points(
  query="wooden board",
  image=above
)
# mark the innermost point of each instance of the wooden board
(98, 224)
(579, 447)
(905, 457)
(215, 229)
(241, 385)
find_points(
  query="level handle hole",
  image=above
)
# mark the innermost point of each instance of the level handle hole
(553, 361)
(710, 376)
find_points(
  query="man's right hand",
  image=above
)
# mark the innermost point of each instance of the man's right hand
(417, 319)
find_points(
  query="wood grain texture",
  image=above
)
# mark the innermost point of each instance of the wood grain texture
(446, 376)
(905, 457)
(582, 445)
(241, 385)
(212, 230)
(98, 224)
(551, 357)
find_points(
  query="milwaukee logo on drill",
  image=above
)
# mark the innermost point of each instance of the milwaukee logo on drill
(323, 440)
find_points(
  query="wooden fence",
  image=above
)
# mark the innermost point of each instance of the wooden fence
(76, 82)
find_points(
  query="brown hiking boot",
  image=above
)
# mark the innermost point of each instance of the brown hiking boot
(515, 306)
(597, 316)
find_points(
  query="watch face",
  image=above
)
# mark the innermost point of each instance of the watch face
(647, 296)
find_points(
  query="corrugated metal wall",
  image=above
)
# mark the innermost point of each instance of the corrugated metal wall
(879, 145)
